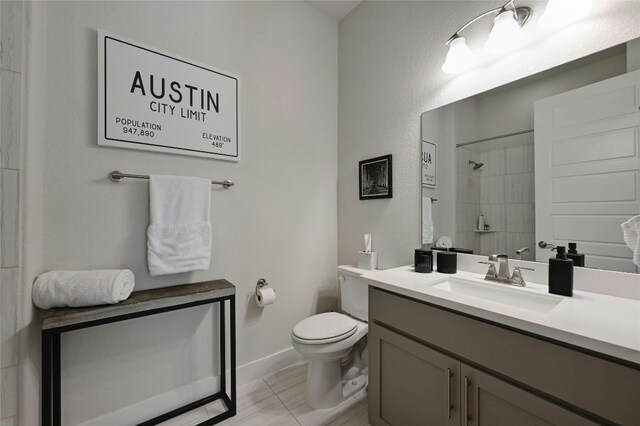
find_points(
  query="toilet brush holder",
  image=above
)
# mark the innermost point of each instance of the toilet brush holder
(367, 260)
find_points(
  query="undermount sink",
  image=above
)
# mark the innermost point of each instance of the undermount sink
(499, 293)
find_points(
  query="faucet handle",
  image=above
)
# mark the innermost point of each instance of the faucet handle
(526, 269)
(517, 278)
(492, 270)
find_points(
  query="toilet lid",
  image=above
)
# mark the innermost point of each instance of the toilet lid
(325, 328)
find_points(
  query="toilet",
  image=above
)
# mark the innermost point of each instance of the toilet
(334, 344)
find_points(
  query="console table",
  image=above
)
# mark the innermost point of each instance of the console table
(140, 304)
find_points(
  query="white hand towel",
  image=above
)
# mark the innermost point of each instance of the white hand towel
(57, 289)
(631, 231)
(427, 221)
(179, 236)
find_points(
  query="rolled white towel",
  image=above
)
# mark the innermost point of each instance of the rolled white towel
(56, 289)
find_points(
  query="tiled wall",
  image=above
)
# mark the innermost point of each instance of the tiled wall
(503, 190)
(11, 18)
(467, 200)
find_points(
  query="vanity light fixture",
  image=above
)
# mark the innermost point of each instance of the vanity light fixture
(504, 35)
(459, 58)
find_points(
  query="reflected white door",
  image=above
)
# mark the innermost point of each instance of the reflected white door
(587, 167)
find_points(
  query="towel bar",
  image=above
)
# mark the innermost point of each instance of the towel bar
(117, 176)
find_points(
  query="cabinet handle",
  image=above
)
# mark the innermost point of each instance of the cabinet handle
(466, 401)
(449, 406)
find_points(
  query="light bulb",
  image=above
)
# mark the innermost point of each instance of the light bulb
(459, 57)
(559, 13)
(505, 34)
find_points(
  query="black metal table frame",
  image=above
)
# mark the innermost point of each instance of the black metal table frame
(51, 380)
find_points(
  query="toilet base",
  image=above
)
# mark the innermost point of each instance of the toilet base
(325, 388)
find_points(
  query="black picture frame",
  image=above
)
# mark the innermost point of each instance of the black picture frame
(375, 178)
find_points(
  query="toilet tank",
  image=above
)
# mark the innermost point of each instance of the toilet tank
(354, 292)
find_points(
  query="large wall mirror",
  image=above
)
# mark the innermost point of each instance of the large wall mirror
(553, 157)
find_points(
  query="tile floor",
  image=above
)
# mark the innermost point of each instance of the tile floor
(278, 400)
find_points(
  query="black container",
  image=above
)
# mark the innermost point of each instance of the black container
(461, 250)
(423, 261)
(578, 258)
(447, 262)
(561, 273)
(439, 248)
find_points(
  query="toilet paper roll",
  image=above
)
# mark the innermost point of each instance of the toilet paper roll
(265, 296)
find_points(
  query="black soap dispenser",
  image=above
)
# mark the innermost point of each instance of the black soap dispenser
(578, 258)
(561, 273)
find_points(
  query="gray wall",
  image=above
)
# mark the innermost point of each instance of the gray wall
(279, 222)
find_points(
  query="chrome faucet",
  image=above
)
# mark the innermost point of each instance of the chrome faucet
(502, 275)
(520, 252)
(503, 265)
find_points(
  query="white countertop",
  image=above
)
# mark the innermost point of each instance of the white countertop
(605, 324)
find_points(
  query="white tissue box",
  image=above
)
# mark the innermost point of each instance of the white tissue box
(368, 260)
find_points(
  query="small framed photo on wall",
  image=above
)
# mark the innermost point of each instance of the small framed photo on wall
(375, 178)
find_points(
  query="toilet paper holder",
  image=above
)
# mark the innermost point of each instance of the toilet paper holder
(261, 283)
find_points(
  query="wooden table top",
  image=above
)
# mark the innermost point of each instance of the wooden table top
(138, 301)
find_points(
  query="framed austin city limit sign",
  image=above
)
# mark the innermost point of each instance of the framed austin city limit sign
(156, 101)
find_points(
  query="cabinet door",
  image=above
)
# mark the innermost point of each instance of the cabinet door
(409, 383)
(489, 401)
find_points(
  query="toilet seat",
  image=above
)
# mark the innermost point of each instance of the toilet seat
(324, 328)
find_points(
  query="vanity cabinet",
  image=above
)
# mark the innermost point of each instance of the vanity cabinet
(434, 366)
(417, 385)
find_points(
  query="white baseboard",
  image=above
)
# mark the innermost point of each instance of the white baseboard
(147, 409)
(259, 368)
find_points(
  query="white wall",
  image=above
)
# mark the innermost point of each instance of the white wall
(390, 56)
(279, 221)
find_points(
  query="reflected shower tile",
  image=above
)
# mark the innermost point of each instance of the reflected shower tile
(494, 216)
(462, 161)
(473, 212)
(462, 183)
(474, 189)
(9, 421)
(516, 241)
(494, 163)
(515, 218)
(468, 189)
(520, 217)
(520, 188)
(461, 240)
(474, 242)
(461, 216)
(492, 189)
(492, 243)
(520, 159)
(529, 210)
